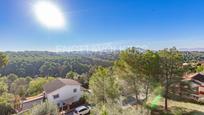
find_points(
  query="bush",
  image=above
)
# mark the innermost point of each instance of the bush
(46, 108)
(115, 109)
(6, 109)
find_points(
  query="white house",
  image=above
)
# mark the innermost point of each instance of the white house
(63, 92)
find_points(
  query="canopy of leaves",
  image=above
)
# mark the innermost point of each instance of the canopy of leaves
(32, 63)
(36, 86)
(171, 64)
(46, 108)
(72, 75)
(103, 85)
(3, 60)
(6, 106)
(3, 87)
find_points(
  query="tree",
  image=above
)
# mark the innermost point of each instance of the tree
(3, 87)
(48, 68)
(199, 68)
(46, 108)
(150, 69)
(5, 104)
(171, 69)
(36, 86)
(11, 77)
(72, 75)
(35, 63)
(3, 60)
(19, 87)
(139, 70)
(104, 86)
(128, 69)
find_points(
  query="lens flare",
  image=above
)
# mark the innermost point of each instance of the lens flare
(49, 14)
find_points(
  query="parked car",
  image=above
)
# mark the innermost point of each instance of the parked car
(82, 110)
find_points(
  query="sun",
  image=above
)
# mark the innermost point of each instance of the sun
(49, 14)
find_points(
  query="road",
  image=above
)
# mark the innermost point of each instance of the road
(70, 113)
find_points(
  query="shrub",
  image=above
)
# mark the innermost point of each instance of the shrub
(6, 109)
(46, 108)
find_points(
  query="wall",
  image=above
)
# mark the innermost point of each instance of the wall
(65, 92)
(201, 89)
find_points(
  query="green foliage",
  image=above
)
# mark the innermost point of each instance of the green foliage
(55, 64)
(72, 75)
(199, 68)
(6, 107)
(171, 69)
(138, 69)
(11, 77)
(189, 68)
(49, 68)
(150, 66)
(116, 109)
(128, 69)
(46, 108)
(158, 90)
(103, 111)
(36, 86)
(19, 87)
(103, 85)
(3, 87)
(6, 98)
(3, 60)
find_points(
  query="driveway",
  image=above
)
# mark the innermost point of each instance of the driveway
(70, 113)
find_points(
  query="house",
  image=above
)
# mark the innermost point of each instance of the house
(63, 92)
(197, 82)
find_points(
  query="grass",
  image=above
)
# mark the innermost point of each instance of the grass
(186, 105)
(174, 107)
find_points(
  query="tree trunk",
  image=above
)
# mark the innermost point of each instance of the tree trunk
(147, 92)
(166, 94)
(181, 90)
(136, 90)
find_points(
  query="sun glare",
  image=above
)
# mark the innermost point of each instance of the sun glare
(49, 14)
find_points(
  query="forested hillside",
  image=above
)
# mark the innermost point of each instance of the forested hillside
(43, 63)
(39, 63)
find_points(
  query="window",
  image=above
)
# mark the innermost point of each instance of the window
(56, 96)
(83, 109)
(75, 90)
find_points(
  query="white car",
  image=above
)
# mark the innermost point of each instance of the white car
(82, 110)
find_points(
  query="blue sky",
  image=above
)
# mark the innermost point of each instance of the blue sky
(104, 24)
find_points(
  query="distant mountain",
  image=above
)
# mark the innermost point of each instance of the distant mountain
(191, 49)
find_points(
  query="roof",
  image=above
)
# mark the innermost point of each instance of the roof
(40, 97)
(33, 97)
(58, 83)
(199, 77)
